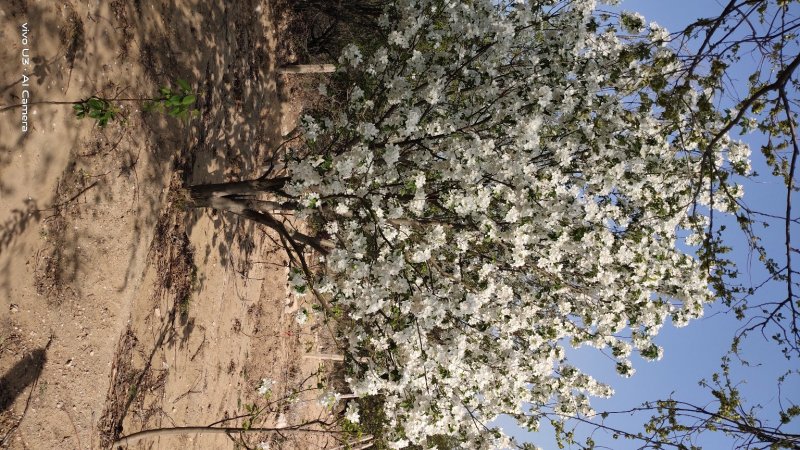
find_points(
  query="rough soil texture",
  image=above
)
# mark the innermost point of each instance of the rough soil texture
(120, 310)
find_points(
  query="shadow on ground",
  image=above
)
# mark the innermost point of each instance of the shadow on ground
(22, 375)
(222, 48)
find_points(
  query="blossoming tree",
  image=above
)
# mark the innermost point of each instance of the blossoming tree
(491, 182)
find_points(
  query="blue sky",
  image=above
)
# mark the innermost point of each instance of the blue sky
(693, 352)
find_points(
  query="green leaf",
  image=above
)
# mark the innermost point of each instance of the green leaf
(184, 85)
(188, 100)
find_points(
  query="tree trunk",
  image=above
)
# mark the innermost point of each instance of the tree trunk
(307, 68)
(202, 194)
(232, 197)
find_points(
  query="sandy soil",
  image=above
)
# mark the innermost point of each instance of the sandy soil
(121, 311)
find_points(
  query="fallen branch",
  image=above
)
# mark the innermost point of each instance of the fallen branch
(324, 356)
(366, 441)
(180, 431)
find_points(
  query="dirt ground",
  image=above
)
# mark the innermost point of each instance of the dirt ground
(120, 310)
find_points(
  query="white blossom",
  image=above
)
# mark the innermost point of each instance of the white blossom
(301, 317)
(352, 413)
(351, 55)
(329, 399)
(266, 386)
